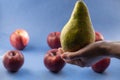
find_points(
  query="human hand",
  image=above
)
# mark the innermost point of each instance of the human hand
(86, 56)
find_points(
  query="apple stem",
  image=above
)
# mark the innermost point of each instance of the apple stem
(53, 53)
(12, 54)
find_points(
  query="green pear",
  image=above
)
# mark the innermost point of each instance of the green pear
(78, 31)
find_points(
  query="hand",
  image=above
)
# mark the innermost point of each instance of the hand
(86, 56)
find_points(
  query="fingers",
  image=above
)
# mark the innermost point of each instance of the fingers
(71, 59)
(60, 50)
(71, 55)
(78, 62)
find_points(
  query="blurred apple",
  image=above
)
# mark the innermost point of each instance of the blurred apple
(53, 60)
(98, 36)
(101, 65)
(19, 39)
(53, 40)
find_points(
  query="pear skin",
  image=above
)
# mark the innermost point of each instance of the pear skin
(78, 31)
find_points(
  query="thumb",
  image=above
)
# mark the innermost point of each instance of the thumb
(70, 55)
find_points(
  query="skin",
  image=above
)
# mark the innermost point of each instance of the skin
(78, 31)
(92, 53)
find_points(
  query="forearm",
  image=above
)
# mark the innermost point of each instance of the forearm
(113, 48)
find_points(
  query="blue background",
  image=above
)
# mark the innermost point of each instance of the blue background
(39, 18)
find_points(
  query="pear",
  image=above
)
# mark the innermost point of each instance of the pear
(78, 31)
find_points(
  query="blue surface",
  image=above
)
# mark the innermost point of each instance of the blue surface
(39, 18)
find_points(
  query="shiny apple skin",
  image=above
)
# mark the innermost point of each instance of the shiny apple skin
(53, 61)
(19, 39)
(13, 60)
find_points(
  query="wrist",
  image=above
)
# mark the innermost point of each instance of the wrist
(113, 49)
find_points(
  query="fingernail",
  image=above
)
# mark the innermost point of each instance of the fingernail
(60, 50)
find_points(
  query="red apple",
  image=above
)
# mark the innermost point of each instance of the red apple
(53, 40)
(101, 65)
(19, 39)
(53, 60)
(13, 60)
(98, 36)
